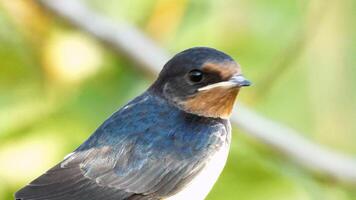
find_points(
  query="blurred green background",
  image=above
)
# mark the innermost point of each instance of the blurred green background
(57, 84)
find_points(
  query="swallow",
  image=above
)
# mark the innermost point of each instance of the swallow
(171, 142)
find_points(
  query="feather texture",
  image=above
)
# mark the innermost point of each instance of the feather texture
(148, 150)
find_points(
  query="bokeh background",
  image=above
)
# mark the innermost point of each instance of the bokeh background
(57, 84)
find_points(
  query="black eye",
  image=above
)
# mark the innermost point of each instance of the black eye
(195, 75)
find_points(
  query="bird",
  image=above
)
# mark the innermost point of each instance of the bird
(169, 143)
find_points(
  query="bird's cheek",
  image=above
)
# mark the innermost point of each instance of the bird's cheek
(217, 102)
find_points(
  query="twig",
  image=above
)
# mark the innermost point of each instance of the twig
(140, 49)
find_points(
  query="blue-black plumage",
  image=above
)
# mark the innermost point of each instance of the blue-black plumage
(158, 145)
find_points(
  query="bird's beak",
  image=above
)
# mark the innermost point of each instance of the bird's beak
(237, 80)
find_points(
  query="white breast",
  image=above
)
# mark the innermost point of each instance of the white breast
(201, 185)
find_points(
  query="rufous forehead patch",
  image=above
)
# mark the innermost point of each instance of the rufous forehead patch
(225, 69)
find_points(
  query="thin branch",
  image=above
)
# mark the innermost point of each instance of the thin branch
(122, 37)
(139, 48)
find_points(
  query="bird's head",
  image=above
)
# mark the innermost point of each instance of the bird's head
(201, 81)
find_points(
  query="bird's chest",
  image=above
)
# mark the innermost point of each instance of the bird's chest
(201, 185)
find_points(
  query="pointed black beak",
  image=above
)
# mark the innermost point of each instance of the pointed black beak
(239, 80)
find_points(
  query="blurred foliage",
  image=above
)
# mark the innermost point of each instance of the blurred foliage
(57, 84)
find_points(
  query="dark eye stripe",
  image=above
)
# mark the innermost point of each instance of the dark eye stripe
(195, 75)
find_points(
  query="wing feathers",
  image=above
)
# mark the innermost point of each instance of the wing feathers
(68, 184)
(140, 153)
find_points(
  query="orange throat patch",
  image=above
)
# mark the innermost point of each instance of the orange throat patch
(216, 102)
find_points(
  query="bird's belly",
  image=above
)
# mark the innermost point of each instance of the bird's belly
(201, 185)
